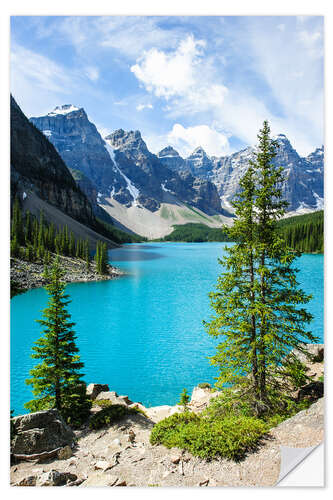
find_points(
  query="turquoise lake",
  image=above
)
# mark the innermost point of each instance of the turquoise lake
(142, 333)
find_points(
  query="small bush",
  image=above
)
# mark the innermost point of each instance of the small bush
(109, 415)
(230, 437)
(103, 403)
(204, 385)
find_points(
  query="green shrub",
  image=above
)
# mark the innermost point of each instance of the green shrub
(76, 410)
(103, 403)
(229, 437)
(295, 371)
(109, 415)
(204, 385)
(229, 404)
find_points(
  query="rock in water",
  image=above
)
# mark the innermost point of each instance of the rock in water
(40, 432)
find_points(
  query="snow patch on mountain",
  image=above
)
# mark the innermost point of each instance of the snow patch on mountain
(165, 189)
(134, 192)
(319, 200)
(47, 133)
(63, 110)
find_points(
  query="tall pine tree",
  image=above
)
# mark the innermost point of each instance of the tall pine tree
(258, 303)
(57, 377)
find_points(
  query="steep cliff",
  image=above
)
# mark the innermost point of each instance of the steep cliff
(37, 167)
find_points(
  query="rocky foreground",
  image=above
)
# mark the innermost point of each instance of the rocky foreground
(46, 452)
(26, 275)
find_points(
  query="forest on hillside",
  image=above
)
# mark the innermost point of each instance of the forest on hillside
(303, 233)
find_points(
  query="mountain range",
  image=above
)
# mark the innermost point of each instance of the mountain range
(149, 193)
(41, 180)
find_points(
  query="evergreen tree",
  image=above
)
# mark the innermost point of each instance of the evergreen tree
(56, 378)
(17, 224)
(258, 301)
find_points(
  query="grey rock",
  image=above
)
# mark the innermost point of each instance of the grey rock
(39, 432)
(27, 481)
(55, 478)
(93, 390)
(65, 453)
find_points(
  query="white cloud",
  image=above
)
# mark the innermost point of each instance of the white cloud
(169, 74)
(185, 140)
(141, 107)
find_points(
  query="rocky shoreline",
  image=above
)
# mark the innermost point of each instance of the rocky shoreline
(122, 455)
(27, 275)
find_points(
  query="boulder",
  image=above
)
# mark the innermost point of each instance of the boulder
(109, 395)
(40, 432)
(93, 390)
(125, 400)
(55, 478)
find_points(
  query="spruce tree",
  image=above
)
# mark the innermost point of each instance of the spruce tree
(56, 378)
(258, 303)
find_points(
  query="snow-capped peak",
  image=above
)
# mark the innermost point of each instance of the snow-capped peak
(63, 110)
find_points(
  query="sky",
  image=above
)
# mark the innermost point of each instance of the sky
(182, 81)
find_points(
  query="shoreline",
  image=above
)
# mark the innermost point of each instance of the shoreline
(25, 276)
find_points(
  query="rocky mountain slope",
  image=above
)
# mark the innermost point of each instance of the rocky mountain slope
(303, 189)
(120, 175)
(37, 167)
(121, 167)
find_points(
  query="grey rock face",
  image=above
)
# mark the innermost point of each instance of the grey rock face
(82, 148)
(154, 178)
(39, 432)
(171, 159)
(304, 187)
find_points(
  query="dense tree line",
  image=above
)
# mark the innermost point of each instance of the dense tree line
(194, 232)
(304, 233)
(34, 240)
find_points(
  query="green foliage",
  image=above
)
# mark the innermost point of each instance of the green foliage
(195, 232)
(39, 239)
(184, 399)
(204, 385)
(304, 233)
(257, 302)
(56, 379)
(233, 402)
(101, 257)
(103, 403)
(230, 437)
(109, 415)
(294, 371)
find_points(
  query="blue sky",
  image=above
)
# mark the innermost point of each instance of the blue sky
(184, 81)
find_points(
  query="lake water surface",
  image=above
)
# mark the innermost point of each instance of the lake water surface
(142, 334)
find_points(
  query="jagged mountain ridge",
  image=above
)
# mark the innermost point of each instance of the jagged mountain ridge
(304, 188)
(121, 167)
